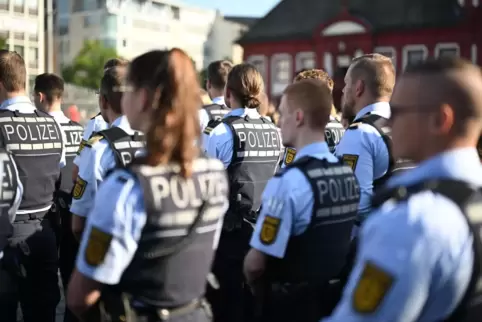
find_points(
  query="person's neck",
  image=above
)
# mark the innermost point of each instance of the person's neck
(56, 107)
(214, 93)
(13, 95)
(308, 138)
(113, 117)
(369, 101)
(445, 146)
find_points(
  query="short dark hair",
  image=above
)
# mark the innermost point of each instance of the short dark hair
(111, 84)
(51, 85)
(13, 73)
(113, 62)
(217, 73)
(319, 74)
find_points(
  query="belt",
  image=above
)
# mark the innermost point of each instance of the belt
(166, 314)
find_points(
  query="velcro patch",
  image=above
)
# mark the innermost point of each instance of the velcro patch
(350, 160)
(269, 230)
(79, 188)
(208, 130)
(372, 287)
(290, 155)
(97, 246)
(81, 146)
(93, 140)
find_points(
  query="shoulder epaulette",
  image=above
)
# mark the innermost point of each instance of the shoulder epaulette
(211, 125)
(354, 126)
(93, 140)
(93, 117)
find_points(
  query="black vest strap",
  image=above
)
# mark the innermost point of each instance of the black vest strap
(113, 135)
(463, 195)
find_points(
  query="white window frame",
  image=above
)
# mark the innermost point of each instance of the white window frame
(448, 45)
(254, 58)
(302, 56)
(388, 49)
(410, 48)
(473, 53)
(275, 83)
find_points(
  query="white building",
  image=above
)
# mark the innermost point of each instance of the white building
(22, 26)
(132, 27)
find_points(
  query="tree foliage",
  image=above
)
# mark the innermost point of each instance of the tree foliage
(3, 43)
(86, 70)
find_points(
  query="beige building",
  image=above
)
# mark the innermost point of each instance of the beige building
(22, 26)
(133, 27)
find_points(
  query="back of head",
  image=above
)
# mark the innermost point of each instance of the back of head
(377, 73)
(453, 82)
(13, 74)
(313, 98)
(50, 85)
(246, 85)
(114, 62)
(111, 86)
(217, 73)
(171, 83)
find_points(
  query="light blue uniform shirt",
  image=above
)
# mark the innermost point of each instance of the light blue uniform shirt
(220, 142)
(424, 244)
(203, 114)
(366, 144)
(95, 124)
(119, 211)
(23, 104)
(95, 163)
(290, 198)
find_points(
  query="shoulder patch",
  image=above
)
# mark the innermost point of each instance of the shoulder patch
(269, 230)
(350, 160)
(354, 126)
(372, 287)
(290, 155)
(79, 188)
(97, 246)
(208, 130)
(81, 146)
(93, 140)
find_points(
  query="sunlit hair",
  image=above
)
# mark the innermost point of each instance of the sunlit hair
(170, 79)
(246, 85)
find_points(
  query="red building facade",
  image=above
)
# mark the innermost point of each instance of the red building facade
(300, 34)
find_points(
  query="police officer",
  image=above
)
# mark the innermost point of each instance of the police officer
(151, 233)
(217, 75)
(48, 91)
(334, 129)
(96, 123)
(419, 259)
(365, 145)
(302, 235)
(11, 197)
(107, 149)
(250, 147)
(35, 141)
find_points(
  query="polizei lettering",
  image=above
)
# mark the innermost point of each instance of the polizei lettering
(258, 139)
(338, 190)
(7, 191)
(32, 132)
(183, 193)
(74, 137)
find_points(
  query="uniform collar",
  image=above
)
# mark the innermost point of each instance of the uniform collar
(15, 100)
(250, 112)
(218, 100)
(311, 149)
(462, 164)
(57, 114)
(122, 123)
(379, 108)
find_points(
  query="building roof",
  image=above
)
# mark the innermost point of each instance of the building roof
(247, 21)
(297, 19)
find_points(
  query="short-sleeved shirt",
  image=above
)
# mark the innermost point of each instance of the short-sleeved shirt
(119, 212)
(97, 160)
(417, 255)
(219, 143)
(95, 124)
(364, 149)
(290, 198)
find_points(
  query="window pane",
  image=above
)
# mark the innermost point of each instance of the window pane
(18, 49)
(282, 71)
(415, 56)
(32, 57)
(447, 52)
(110, 23)
(110, 42)
(308, 63)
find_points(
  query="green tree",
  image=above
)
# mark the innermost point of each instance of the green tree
(3, 43)
(86, 70)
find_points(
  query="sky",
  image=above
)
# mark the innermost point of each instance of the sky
(253, 8)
